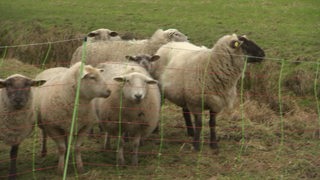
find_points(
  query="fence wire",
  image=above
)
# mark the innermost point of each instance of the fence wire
(160, 154)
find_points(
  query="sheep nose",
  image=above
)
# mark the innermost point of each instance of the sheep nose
(138, 96)
(18, 100)
(107, 94)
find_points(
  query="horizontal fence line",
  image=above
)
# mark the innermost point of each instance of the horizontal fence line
(127, 165)
(179, 153)
(315, 116)
(67, 40)
(43, 43)
(30, 171)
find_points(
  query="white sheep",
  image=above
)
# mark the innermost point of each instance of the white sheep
(144, 60)
(16, 121)
(102, 34)
(136, 98)
(205, 79)
(46, 75)
(55, 101)
(117, 50)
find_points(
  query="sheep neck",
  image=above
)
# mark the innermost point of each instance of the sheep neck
(224, 69)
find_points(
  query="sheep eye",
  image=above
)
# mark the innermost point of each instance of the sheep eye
(91, 77)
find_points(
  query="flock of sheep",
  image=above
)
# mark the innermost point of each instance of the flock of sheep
(119, 87)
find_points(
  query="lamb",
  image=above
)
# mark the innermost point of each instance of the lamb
(207, 77)
(54, 103)
(102, 35)
(116, 50)
(16, 94)
(136, 98)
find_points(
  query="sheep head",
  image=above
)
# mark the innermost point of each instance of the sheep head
(135, 86)
(175, 35)
(93, 84)
(103, 35)
(144, 60)
(253, 52)
(17, 88)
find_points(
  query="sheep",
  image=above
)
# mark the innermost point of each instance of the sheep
(54, 103)
(207, 77)
(16, 94)
(102, 35)
(46, 75)
(116, 50)
(145, 60)
(136, 97)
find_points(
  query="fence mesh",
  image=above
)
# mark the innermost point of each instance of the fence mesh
(268, 126)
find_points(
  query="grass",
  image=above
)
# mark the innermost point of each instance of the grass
(286, 29)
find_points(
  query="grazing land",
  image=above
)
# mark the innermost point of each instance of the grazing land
(273, 131)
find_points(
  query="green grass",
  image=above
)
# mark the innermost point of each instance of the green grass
(286, 29)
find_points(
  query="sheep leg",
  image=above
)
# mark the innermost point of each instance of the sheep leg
(212, 125)
(120, 157)
(198, 129)
(106, 144)
(59, 137)
(44, 143)
(136, 143)
(78, 143)
(187, 118)
(13, 161)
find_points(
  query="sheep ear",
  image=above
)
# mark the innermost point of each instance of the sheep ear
(152, 81)
(92, 34)
(84, 73)
(154, 58)
(113, 34)
(37, 83)
(131, 58)
(2, 83)
(235, 44)
(101, 70)
(119, 78)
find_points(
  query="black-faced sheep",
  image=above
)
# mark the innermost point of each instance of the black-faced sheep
(207, 77)
(117, 50)
(16, 121)
(55, 101)
(136, 98)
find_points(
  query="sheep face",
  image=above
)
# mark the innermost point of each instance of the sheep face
(134, 86)
(93, 84)
(17, 89)
(103, 35)
(144, 60)
(241, 43)
(175, 35)
(251, 49)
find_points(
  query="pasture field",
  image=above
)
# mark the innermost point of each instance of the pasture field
(272, 133)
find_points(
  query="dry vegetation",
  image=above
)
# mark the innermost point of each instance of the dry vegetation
(265, 137)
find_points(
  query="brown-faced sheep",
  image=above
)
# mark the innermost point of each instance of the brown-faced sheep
(16, 121)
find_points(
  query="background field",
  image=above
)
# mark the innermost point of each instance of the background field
(288, 31)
